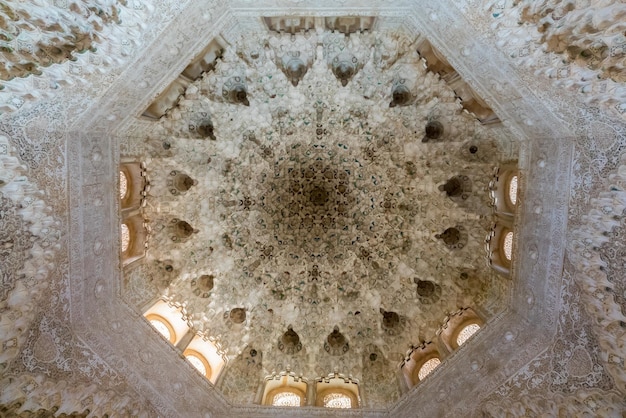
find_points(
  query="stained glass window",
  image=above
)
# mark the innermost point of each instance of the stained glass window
(508, 245)
(125, 237)
(123, 185)
(466, 332)
(337, 400)
(428, 367)
(162, 328)
(286, 399)
(197, 363)
(513, 190)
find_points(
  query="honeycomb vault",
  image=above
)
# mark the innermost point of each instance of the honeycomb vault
(318, 206)
(211, 96)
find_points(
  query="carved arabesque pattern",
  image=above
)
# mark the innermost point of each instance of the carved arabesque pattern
(69, 45)
(317, 182)
(33, 37)
(39, 353)
(15, 242)
(596, 170)
(243, 376)
(576, 46)
(597, 246)
(571, 369)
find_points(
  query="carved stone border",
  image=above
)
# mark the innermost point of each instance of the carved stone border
(112, 328)
(125, 341)
(151, 72)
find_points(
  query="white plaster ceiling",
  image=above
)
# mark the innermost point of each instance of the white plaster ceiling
(133, 92)
(317, 206)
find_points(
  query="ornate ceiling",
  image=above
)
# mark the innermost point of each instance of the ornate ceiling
(317, 205)
(356, 194)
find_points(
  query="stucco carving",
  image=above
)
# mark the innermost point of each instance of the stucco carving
(42, 158)
(317, 226)
(33, 37)
(53, 46)
(576, 46)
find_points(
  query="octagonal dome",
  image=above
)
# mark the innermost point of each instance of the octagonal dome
(319, 205)
(314, 189)
(315, 205)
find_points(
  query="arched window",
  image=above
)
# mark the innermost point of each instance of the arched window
(125, 238)
(134, 232)
(133, 236)
(163, 326)
(504, 193)
(123, 185)
(198, 361)
(337, 391)
(168, 320)
(337, 400)
(206, 356)
(466, 333)
(284, 389)
(512, 195)
(499, 246)
(507, 245)
(163, 329)
(460, 326)
(428, 367)
(132, 185)
(419, 362)
(287, 398)
(504, 190)
(201, 351)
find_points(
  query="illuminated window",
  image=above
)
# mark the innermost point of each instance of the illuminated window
(466, 332)
(337, 400)
(286, 399)
(428, 367)
(197, 363)
(504, 189)
(508, 245)
(125, 237)
(168, 321)
(285, 389)
(163, 329)
(513, 190)
(204, 355)
(123, 185)
(132, 184)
